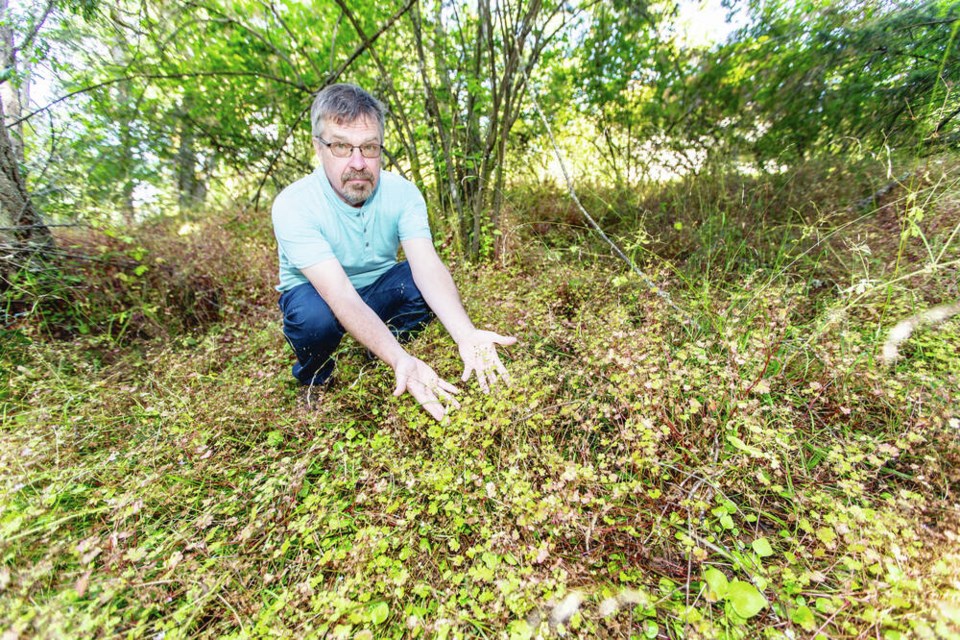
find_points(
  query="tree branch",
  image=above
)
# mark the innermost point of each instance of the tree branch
(363, 47)
(159, 76)
(34, 30)
(940, 125)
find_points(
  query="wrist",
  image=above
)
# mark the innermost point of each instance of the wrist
(395, 357)
(461, 334)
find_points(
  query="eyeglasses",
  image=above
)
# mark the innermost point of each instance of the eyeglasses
(344, 150)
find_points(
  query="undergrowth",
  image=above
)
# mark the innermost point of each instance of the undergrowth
(742, 466)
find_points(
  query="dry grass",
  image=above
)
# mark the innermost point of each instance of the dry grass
(179, 488)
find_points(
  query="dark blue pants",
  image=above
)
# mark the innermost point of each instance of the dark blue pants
(314, 333)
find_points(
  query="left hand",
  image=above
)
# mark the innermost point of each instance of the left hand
(433, 393)
(480, 355)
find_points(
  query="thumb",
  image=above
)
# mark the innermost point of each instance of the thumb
(504, 340)
(401, 385)
(466, 373)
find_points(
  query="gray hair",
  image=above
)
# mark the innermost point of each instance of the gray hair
(345, 103)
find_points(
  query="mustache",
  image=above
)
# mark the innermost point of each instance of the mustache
(352, 174)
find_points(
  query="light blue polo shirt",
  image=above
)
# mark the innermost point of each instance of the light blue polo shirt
(313, 224)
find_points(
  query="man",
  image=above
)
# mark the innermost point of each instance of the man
(338, 230)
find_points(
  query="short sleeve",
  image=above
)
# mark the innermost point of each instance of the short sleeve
(413, 221)
(299, 238)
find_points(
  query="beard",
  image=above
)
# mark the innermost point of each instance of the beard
(357, 192)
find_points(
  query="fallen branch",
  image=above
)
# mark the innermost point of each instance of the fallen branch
(593, 223)
(870, 200)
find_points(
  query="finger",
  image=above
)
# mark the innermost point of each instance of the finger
(446, 386)
(502, 370)
(401, 385)
(450, 401)
(482, 379)
(434, 408)
(504, 340)
(429, 402)
(467, 370)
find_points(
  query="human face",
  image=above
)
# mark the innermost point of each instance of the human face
(353, 178)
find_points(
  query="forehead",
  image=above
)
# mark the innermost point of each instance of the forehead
(361, 130)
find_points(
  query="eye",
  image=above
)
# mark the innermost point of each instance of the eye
(370, 150)
(341, 148)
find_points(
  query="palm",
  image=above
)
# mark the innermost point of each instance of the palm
(433, 393)
(479, 354)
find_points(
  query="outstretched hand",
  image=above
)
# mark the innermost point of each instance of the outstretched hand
(432, 392)
(480, 356)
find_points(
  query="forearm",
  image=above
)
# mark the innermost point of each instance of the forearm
(368, 329)
(440, 293)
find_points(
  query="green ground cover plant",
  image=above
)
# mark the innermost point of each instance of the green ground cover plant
(742, 466)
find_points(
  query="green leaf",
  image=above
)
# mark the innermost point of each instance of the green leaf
(743, 446)
(519, 630)
(716, 584)
(804, 617)
(651, 629)
(745, 599)
(761, 546)
(379, 613)
(827, 536)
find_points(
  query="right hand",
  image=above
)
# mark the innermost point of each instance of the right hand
(432, 392)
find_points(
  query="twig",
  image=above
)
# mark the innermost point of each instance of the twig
(593, 223)
(41, 226)
(373, 38)
(869, 200)
(34, 30)
(157, 76)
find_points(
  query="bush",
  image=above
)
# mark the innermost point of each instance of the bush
(156, 280)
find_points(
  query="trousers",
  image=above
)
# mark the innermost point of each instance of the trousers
(315, 333)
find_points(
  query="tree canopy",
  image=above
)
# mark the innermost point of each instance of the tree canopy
(126, 110)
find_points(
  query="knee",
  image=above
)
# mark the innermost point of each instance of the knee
(307, 329)
(407, 286)
(308, 321)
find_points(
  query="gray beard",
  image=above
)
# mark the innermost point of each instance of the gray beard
(357, 196)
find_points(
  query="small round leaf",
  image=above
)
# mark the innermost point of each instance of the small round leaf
(716, 584)
(379, 613)
(804, 617)
(761, 546)
(745, 599)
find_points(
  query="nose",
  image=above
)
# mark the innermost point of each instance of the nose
(357, 161)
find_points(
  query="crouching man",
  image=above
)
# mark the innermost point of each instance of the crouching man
(338, 231)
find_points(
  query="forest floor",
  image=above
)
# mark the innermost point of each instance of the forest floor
(735, 462)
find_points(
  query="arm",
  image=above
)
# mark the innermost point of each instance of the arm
(360, 321)
(439, 291)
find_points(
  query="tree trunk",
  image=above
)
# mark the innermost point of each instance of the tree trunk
(21, 222)
(15, 205)
(186, 169)
(9, 91)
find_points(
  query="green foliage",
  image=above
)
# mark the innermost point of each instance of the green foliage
(169, 106)
(805, 78)
(104, 283)
(733, 470)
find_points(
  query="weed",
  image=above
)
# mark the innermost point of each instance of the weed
(749, 473)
